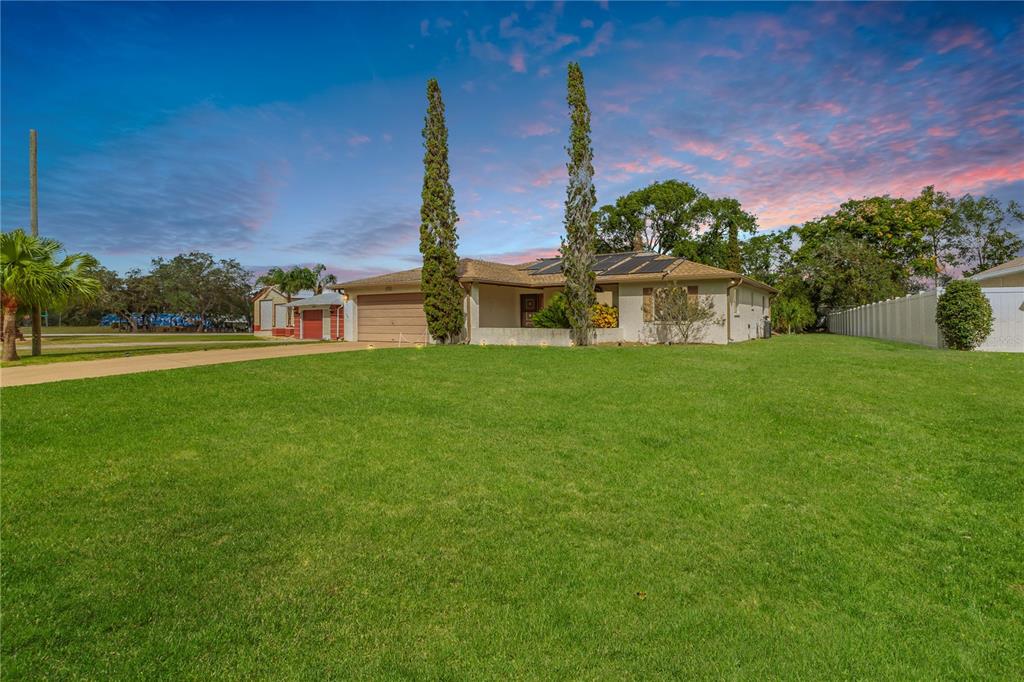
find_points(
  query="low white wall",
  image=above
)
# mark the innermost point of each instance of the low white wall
(534, 336)
(911, 319)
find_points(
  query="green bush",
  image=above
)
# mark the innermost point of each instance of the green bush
(792, 314)
(554, 315)
(964, 315)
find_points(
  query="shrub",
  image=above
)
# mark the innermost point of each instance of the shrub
(792, 314)
(604, 316)
(681, 317)
(554, 315)
(964, 315)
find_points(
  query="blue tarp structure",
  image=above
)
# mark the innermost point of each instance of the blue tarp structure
(171, 321)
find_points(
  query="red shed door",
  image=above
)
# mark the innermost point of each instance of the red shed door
(312, 324)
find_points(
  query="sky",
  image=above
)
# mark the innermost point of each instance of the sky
(281, 134)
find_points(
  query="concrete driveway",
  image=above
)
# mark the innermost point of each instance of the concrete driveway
(87, 369)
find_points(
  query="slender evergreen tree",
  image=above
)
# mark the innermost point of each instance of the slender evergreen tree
(579, 246)
(734, 257)
(442, 294)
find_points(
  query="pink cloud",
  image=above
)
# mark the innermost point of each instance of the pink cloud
(800, 141)
(722, 52)
(517, 61)
(785, 37)
(692, 144)
(939, 131)
(545, 178)
(357, 139)
(536, 129)
(911, 65)
(949, 39)
(602, 38)
(517, 257)
(832, 108)
(615, 107)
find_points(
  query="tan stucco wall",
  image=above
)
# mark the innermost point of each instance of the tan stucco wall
(631, 315)
(499, 306)
(749, 307)
(272, 295)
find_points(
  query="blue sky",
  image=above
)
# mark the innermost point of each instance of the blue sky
(290, 133)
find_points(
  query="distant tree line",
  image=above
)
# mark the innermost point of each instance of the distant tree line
(208, 292)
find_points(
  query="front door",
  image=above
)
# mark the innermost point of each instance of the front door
(528, 305)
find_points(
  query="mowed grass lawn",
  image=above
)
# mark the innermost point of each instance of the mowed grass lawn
(73, 349)
(808, 507)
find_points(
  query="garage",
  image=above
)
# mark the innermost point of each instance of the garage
(318, 317)
(391, 318)
(312, 324)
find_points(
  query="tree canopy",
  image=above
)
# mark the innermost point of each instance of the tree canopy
(675, 217)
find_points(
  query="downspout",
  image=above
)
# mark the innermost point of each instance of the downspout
(728, 308)
(467, 304)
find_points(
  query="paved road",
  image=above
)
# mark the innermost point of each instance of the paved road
(62, 371)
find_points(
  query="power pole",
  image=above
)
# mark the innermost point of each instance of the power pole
(33, 180)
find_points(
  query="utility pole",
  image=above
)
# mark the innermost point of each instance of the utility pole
(33, 180)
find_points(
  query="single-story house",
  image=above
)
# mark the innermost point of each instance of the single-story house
(268, 311)
(318, 317)
(1008, 274)
(500, 300)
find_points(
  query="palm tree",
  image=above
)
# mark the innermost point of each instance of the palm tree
(321, 279)
(31, 275)
(285, 281)
(291, 282)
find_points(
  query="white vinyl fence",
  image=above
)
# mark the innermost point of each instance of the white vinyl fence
(911, 319)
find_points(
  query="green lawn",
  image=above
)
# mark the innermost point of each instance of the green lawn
(141, 338)
(808, 507)
(91, 353)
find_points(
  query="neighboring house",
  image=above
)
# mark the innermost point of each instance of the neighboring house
(500, 300)
(270, 317)
(1009, 274)
(318, 317)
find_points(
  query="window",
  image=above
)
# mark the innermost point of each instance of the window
(691, 293)
(648, 304)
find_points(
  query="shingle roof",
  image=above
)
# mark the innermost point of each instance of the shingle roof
(1006, 268)
(487, 272)
(326, 298)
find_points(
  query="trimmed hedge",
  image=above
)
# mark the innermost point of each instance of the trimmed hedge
(964, 315)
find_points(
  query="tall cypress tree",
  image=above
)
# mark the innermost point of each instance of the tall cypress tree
(442, 295)
(579, 245)
(734, 259)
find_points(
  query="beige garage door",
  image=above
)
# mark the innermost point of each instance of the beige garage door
(391, 317)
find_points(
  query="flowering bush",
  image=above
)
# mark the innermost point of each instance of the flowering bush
(604, 316)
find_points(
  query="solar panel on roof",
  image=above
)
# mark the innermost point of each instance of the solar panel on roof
(552, 267)
(659, 265)
(623, 267)
(607, 261)
(542, 263)
(629, 265)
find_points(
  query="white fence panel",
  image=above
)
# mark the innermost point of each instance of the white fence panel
(911, 319)
(1008, 326)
